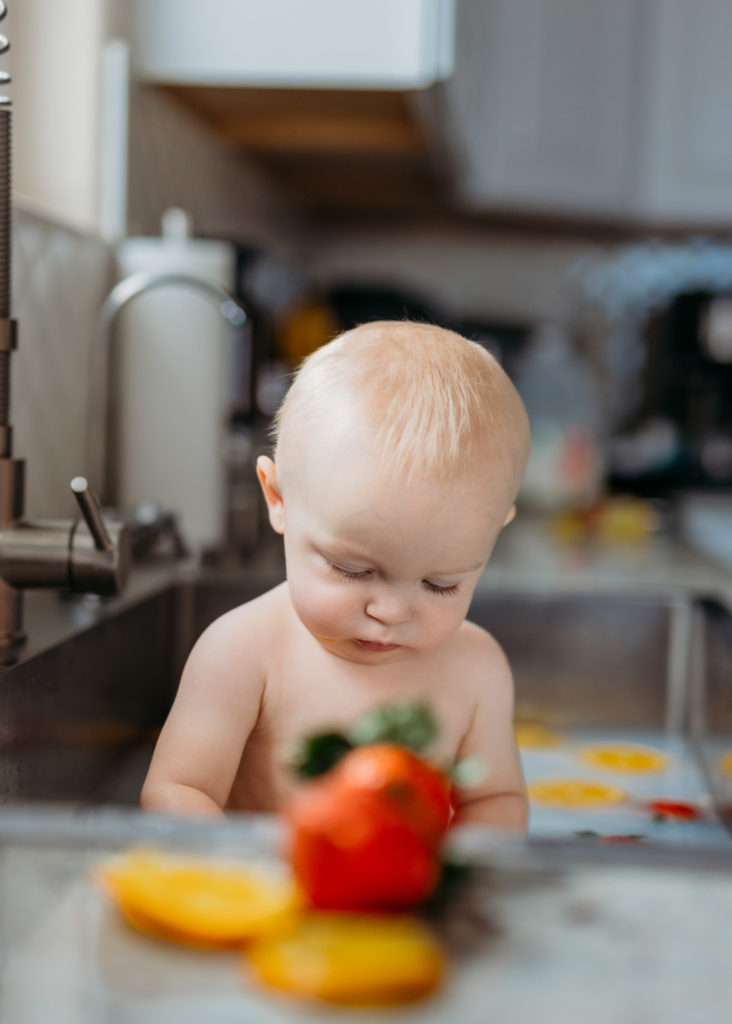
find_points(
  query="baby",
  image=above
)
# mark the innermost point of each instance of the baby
(400, 450)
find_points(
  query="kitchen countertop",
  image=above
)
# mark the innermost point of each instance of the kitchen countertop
(529, 555)
(637, 936)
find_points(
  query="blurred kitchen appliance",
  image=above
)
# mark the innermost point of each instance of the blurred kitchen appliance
(680, 435)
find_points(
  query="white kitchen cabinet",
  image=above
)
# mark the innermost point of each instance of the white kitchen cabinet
(593, 109)
(542, 103)
(685, 138)
(372, 44)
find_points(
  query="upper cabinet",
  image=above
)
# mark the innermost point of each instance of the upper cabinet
(368, 44)
(541, 103)
(685, 121)
(614, 110)
(620, 109)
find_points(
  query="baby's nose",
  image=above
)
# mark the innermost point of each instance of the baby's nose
(390, 605)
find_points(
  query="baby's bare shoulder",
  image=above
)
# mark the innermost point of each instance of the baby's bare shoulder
(245, 633)
(481, 657)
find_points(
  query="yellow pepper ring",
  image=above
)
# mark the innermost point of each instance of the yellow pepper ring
(574, 793)
(536, 737)
(625, 757)
(351, 959)
(196, 901)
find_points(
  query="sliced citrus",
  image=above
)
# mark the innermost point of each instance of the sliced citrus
(625, 757)
(536, 737)
(574, 793)
(351, 959)
(196, 901)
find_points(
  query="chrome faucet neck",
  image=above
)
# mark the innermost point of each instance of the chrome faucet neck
(101, 468)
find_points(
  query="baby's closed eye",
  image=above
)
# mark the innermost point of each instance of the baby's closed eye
(349, 574)
(446, 589)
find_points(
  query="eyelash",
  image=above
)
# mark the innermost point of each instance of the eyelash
(352, 575)
(348, 574)
(443, 591)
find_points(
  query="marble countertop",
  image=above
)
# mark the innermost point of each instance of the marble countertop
(555, 936)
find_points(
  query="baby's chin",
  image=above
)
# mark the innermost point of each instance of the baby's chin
(362, 652)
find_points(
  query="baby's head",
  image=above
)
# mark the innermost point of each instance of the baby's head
(434, 404)
(400, 449)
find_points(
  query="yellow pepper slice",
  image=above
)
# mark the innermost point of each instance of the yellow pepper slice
(198, 902)
(533, 736)
(625, 757)
(574, 793)
(351, 959)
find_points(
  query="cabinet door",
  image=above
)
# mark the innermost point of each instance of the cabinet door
(542, 103)
(686, 170)
(306, 43)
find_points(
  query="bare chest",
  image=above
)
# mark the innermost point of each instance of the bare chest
(310, 692)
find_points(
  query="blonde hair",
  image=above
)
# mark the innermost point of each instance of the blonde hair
(434, 401)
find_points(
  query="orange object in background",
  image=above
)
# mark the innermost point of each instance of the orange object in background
(625, 757)
(619, 520)
(574, 793)
(304, 329)
(535, 736)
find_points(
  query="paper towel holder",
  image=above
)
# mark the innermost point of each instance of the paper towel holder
(102, 409)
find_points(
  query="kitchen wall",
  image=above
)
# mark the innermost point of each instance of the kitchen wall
(60, 277)
(473, 271)
(61, 274)
(177, 160)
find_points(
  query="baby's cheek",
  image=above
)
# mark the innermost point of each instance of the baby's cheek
(324, 610)
(444, 621)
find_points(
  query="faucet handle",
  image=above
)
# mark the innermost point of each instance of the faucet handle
(92, 513)
(98, 557)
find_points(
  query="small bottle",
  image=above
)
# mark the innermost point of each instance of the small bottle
(562, 399)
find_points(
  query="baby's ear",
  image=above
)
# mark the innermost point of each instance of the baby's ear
(511, 515)
(267, 475)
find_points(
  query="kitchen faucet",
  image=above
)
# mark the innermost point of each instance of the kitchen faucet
(89, 556)
(101, 466)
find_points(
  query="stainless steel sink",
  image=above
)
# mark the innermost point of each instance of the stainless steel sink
(78, 720)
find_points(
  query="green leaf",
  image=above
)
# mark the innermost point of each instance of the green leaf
(470, 771)
(409, 723)
(317, 754)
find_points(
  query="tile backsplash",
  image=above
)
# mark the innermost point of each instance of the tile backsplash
(59, 280)
(176, 159)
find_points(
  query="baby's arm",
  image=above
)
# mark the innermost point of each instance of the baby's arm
(500, 800)
(200, 746)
